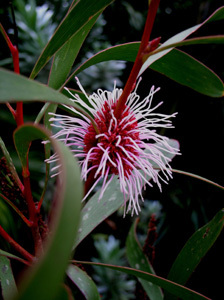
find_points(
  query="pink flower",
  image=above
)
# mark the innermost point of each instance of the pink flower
(126, 147)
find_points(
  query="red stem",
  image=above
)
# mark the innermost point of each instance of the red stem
(18, 114)
(15, 245)
(33, 211)
(130, 84)
(28, 195)
(19, 105)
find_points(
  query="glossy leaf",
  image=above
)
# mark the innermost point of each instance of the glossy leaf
(43, 280)
(217, 15)
(195, 249)
(8, 285)
(176, 65)
(77, 17)
(95, 211)
(84, 283)
(137, 259)
(172, 287)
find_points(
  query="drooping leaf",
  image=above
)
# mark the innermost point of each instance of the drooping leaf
(8, 285)
(95, 211)
(77, 17)
(174, 288)
(137, 259)
(84, 283)
(195, 249)
(43, 280)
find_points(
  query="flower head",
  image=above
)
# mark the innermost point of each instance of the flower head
(127, 146)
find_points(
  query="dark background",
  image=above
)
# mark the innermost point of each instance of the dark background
(187, 202)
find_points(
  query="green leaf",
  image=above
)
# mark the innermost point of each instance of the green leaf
(83, 282)
(189, 72)
(195, 249)
(61, 66)
(12, 256)
(65, 57)
(137, 259)
(217, 15)
(172, 287)
(126, 52)
(7, 280)
(29, 90)
(217, 39)
(26, 90)
(43, 280)
(76, 19)
(176, 65)
(64, 293)
(95, 211)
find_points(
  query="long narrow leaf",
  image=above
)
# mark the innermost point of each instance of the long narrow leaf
(195, 249)
(219, 39)
(29, 91)
(76, 18)
(67, 54)
(12, 256)
(217, 15)
(43, 280)
(172, 287)
(176, 65)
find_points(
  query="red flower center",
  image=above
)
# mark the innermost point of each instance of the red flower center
(117, 136)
